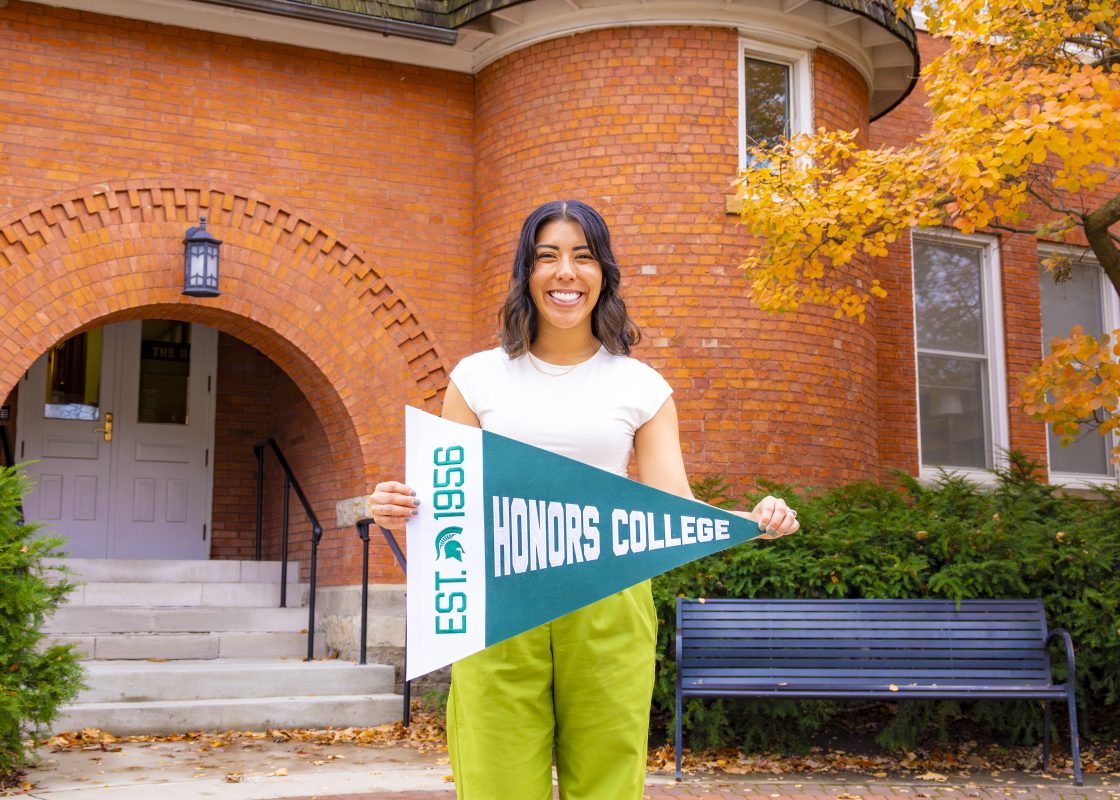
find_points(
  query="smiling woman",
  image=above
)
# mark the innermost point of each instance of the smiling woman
(563, 380)
(564, 285)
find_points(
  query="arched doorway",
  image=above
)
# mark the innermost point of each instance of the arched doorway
(311, 303)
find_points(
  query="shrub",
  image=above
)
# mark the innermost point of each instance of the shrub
(33, 684)
(1020, 538)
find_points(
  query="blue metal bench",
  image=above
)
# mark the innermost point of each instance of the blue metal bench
(881, 649)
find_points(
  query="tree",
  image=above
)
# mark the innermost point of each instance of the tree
(1024, 138)
(34, 682)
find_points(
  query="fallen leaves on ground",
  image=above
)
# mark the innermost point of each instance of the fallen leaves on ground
(935, 765)
(425, 733)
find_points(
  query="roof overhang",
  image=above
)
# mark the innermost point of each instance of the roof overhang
(468, 36)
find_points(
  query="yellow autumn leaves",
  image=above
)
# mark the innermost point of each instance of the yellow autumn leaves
(1076, 385)
(1023, 111)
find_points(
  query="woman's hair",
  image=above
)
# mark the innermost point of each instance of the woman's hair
(610, 323)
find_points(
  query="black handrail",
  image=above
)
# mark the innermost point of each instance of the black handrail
(363, 534)
(290, 483)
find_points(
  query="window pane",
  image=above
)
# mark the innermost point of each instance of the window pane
(948, 297)
(766, 106)
(165, 368)
(953, 412)
(1076, 301)
(74, 378)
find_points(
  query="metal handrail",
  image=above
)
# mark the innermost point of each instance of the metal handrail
(290, 483)
(363, 534)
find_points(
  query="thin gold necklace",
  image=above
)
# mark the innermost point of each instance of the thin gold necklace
(539, 365)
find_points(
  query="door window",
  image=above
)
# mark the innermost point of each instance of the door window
(165, 371)
(74, 378)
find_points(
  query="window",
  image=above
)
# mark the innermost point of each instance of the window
(1087, 299)
(774, 95)
(962, 397)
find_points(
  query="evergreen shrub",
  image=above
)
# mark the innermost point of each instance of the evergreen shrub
(34, 684)
(1019, 538)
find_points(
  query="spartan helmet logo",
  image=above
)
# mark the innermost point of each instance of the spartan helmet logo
(447, 546)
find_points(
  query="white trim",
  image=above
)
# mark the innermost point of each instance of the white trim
(996, 373)
(1110, 321)
(804, 25)
(798, 60)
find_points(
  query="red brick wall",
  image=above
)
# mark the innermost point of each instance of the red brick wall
(320, 224)
(642, 123)
(242, 413)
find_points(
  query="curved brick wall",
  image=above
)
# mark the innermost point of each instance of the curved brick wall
(641, 123)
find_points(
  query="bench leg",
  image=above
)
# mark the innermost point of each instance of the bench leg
(1074, 743)
(677, 733)
(1045, 735)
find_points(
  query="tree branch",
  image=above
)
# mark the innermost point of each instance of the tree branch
(1102, 241)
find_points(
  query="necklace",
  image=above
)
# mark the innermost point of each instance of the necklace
(553, 371)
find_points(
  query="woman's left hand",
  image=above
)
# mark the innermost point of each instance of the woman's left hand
(775, 518)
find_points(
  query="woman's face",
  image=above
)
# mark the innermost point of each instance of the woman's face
(566, 279)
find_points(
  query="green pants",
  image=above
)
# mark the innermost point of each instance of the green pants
(581, 684)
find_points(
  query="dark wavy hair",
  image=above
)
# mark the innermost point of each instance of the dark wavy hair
(610, 323)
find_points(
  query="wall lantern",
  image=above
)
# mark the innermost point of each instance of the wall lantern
(200, 262)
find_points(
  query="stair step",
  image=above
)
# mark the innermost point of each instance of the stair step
(255, 713)
(142, 682)
(72, 620)
(256, 594)
(110, 570)
(170, 646)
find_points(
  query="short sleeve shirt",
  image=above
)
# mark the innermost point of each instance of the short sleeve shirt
(589, 412)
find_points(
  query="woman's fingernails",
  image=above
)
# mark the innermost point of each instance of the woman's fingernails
(761, 527)
(416, 502)
(414, 512)
(412, 493)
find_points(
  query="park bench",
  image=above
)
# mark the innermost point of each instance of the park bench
(871, 649)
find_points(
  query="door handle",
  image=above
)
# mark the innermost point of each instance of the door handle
(108, 429)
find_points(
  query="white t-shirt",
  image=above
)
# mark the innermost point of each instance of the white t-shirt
(589, 412)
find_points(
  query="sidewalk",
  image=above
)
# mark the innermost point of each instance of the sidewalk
(287, 770)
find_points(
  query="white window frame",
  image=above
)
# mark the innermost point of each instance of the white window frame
(990, 286)
(1110, 321)
(799, 62)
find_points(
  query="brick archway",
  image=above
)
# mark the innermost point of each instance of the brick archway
(293, 289)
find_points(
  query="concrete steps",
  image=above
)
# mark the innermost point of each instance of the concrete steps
(130, 609)
(130, 698)
(176, 646)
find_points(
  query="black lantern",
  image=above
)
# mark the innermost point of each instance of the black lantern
(200, 262)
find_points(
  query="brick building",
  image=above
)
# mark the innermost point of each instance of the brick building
(367, 166)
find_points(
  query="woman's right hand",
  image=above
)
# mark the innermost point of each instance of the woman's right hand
(392, 504)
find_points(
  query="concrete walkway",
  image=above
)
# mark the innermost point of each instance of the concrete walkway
(269, 770)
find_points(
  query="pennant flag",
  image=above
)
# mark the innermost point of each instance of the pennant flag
(509, 536)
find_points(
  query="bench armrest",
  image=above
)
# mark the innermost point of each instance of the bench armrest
(1061, 633)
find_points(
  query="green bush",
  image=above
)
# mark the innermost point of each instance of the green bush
(1019, 538)
(33, 684)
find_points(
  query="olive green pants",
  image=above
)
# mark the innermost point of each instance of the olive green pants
(581, 684)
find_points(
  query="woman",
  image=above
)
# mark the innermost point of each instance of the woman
(563, 381)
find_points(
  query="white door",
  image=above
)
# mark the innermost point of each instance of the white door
(122, 441)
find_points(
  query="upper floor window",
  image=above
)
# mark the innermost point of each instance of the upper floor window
(774, 95)
(1083, 297)
(962, 396)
